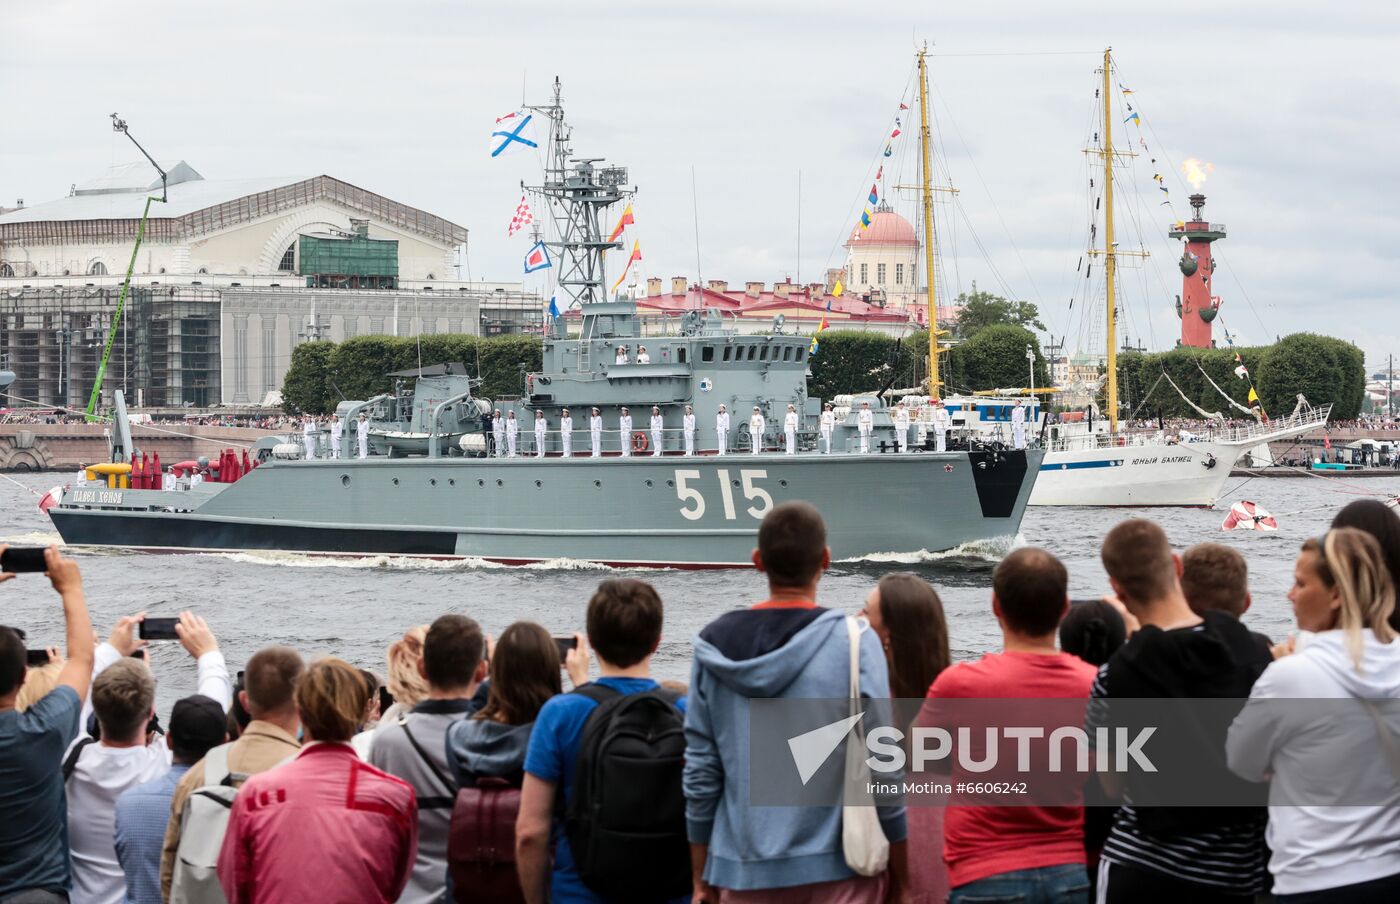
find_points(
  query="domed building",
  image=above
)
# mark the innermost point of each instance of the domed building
(882, 261)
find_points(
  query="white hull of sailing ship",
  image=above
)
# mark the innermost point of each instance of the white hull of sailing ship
(1181, 474)
(1136, 470)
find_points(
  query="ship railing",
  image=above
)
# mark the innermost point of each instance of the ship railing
(1305, 416)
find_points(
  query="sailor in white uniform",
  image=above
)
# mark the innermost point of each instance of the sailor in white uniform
(498, 432)
(541, 427)
(828, 426)
(1018, 425)
(756, 427)
(512, 433)
(658, 424)
(82, 475)
(196, 478)
(624, 433)
(722, 429)
(167, 480)
(337, 431)
(566, 433)
(362, 435)
(308, 437)
(790, 429)
(595, 432)
(901, 426)
(642, 356)
(942, 423)
(865, 422)
(688, 430)
(621, 357)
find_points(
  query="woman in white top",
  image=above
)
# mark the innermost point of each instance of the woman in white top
(566, 433)
(688, 430)
(595, 432)
(621, 357)
(1324, 759)
(721, 430)
(643, 357)
(828, 425)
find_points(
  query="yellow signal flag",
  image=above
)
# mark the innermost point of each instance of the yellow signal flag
(1253, 396)
(837, 289)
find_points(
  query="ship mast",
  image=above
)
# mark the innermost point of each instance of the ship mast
(1111, 332)
(578, 192)
(926, 187)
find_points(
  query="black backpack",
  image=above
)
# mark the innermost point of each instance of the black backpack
(626, 822)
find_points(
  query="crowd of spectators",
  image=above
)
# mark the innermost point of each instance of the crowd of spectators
(486, 769)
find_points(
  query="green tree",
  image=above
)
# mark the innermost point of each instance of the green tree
(306, 387)
(1322, 368)
(995, 358)
(850, 361)
(983, 309)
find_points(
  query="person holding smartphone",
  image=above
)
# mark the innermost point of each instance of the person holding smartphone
(33, 856)
(128, 753)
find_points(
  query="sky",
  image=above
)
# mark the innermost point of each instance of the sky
(720, 109)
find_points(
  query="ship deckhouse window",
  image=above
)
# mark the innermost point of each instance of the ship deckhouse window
(728, 352)
(763, 353)
(680, 355)
(787, 353)
(753, 352)
(707, 353)
(802, 354)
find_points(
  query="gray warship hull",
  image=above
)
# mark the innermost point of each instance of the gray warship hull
(670, 511)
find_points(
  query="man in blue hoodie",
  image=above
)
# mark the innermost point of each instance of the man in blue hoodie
(785, 647)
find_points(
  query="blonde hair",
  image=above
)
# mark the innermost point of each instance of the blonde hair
(37, 684)
(122, 696)
(405, 681)
(1350, 560)
(331, 697)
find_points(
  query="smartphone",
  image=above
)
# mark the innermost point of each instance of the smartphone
(36, 658)
(1082, 600)
(386, 699)
(565, 644)
(23, 558)
(159, 629)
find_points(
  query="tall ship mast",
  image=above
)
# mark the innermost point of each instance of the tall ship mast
(631, 445)
(1110, 247)
(926, 191)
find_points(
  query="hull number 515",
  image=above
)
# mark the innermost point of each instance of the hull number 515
(689, 493)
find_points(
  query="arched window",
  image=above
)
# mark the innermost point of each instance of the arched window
(289, 259)
(97, 269)
(203, 271)
(431, 276)
(6, 270)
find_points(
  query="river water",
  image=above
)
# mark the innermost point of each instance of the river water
(354, 608)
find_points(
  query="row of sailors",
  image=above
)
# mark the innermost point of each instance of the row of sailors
(506, 430)
(311, 431)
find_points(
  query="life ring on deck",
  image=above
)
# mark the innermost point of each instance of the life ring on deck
(639, 441)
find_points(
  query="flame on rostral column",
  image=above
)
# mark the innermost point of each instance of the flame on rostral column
(1196, 171)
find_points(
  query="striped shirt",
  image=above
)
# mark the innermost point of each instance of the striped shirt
(1232, 858)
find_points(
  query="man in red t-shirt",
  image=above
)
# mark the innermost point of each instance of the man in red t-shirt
(1036, 852)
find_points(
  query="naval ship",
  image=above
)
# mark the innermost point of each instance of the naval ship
(436, 484)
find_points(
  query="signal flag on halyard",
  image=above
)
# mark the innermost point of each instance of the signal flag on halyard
(636, 256)
(836, 291)
(554, 304)
(1134, 118)
(904, 106)
(865, 219)
(889, 149)
(874, 194)
(512, 133)
(622, 223)
(537, 258)
(523, 217)
(815, 337)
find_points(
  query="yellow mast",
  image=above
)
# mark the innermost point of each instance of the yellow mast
(1109, 249)
(927, 187)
